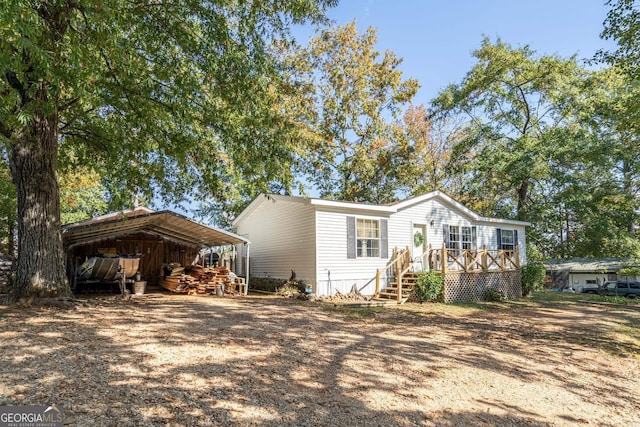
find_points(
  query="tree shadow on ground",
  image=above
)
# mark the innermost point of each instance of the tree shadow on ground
(271, 362)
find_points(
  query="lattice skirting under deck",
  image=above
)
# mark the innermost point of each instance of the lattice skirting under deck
(471, 287)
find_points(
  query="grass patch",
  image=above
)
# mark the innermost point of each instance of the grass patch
(612, 329)
(554, 297)
(537, 299)
(442, 309)
(354, 312)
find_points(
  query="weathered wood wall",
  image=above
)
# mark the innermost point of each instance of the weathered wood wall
(154, 251)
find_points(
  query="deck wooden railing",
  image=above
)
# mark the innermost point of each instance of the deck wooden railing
(467, 260)
(446, 260)
(400, 263)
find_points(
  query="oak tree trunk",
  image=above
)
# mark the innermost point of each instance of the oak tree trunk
(40, 265)
(523, 195)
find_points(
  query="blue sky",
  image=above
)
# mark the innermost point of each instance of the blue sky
(435, 38)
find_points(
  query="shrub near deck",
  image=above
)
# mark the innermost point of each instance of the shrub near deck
(430, 287)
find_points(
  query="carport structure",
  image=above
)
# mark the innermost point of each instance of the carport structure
(159, 238)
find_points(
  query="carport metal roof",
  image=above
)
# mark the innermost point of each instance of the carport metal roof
(169, 225)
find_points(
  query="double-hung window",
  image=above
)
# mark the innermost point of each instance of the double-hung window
(368, 238)
(507, 241)
(454, 237)
(460, 237)
(466, 238)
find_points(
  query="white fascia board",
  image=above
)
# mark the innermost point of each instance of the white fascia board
(352, 206)
(503, 221)
(363, 207)
(250, 208)
(438, 195)
(446, 200)
(417, 199)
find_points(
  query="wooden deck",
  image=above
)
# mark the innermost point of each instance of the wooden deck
(402, 271)
(467, 260)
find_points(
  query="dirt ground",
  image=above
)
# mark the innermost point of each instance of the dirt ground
(258, 361)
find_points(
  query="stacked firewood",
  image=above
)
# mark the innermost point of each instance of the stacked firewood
(199, 280)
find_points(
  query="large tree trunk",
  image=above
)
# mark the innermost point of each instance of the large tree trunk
(523, 196)
(40, 266)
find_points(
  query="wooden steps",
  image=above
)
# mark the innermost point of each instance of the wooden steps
(407, 285)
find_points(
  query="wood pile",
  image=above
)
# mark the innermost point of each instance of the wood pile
(198, 280)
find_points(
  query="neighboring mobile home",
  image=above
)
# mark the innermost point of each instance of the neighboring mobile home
(333, 245)
(580, 274)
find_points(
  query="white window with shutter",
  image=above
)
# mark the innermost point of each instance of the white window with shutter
(460, 237)
(367, 238)
(507, 240)
(454, 237)
(466, 237)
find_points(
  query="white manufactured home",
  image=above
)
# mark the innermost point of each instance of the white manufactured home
(333, 245)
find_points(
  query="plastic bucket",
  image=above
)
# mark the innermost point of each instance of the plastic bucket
(138, 287)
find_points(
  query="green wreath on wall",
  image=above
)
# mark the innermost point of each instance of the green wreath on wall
(418, 239)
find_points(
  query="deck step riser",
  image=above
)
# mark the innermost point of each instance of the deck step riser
(408, 284)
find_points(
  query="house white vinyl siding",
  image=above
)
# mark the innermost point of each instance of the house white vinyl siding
(282, 235)
(336, 271)
(431, 213)
(318, 238)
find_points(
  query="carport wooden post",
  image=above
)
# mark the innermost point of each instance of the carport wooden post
(246, 288)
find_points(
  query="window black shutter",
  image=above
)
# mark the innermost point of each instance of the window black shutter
(499, 239)
(515, 239)
(445, 235)
(474, 238)
(351, 237)
(384, 239)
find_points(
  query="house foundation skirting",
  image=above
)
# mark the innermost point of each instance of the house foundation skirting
(471, 287)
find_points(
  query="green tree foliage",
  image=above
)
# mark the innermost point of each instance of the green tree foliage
(549, 142)
(514, 103)
(176, 97)
(82, 196)
(623, 25)
(354, 98)
(592, 196)
(619, 116)
(426, 153)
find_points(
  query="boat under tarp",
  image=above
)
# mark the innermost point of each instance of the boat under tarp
(110, 269)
